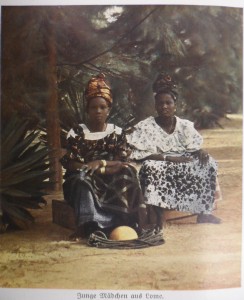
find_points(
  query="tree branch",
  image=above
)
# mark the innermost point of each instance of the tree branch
(114, 45)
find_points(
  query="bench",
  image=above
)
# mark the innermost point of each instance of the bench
(63, 213)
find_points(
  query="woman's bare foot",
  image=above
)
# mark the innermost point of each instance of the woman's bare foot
(78, 235)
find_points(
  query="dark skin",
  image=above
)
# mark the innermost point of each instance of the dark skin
(165, 106)
(98, 110)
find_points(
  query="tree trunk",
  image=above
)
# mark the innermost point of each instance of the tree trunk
(52, 110)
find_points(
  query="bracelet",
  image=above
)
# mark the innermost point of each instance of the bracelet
(104, 163)
(102, 170)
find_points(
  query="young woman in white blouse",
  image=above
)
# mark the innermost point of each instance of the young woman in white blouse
(175, 173)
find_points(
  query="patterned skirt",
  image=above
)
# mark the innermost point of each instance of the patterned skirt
(187, 187)
(108, 200)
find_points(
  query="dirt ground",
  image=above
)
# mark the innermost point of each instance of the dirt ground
(194, 257)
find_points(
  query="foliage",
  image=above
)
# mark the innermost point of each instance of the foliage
(131, 45)
(24, 169)
(210, 77)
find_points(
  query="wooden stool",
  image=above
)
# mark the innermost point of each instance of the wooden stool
(63, 214)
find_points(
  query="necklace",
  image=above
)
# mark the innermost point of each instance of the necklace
(168, 129)
(171, 129)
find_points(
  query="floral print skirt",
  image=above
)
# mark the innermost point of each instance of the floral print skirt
(186, 187)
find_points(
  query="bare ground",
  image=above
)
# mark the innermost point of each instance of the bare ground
(194, 257)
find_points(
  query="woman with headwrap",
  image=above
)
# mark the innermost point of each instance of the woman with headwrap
(101, 186)
(176, 173)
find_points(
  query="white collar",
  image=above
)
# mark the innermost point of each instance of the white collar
(101, 134)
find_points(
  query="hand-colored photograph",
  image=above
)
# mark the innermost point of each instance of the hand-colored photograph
(121, 150)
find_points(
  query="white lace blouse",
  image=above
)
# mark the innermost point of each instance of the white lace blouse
(149, 138)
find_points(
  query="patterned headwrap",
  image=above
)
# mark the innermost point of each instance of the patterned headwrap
(165, 84)
(97, 87)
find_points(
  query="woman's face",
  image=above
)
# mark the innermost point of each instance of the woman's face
(165, 105)
(98, 110)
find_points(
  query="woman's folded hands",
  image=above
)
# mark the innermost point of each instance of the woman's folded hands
(103, 167)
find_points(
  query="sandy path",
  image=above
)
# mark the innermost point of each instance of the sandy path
(195, 256)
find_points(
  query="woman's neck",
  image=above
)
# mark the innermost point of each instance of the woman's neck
(167, 123)
(97, 127)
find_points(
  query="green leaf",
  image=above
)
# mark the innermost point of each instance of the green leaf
(30, 203)
(13, 137)
(23, 177)
(25, 143)
(18, 212)
(10, 156)
(28, 151)
(16, 193)
(32, 161)
(24, 172)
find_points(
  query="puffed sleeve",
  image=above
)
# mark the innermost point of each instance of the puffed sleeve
(140, 140)
(193, 139)
(122, 149)
(72, 153)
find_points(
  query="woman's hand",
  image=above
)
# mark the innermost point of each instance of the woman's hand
(96, 166)
(178, 159)
(202, 156)
(156, 156)
(174, 159)
(91, 166)
(114, 167)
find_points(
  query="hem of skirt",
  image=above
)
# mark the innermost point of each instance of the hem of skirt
(183, 210)
(117, 209)
(100, 223)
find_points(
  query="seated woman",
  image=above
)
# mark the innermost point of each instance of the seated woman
(101, 186)
(176, 173)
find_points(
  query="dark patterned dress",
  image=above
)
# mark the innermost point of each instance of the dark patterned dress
(108, 200)
(184, 186)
